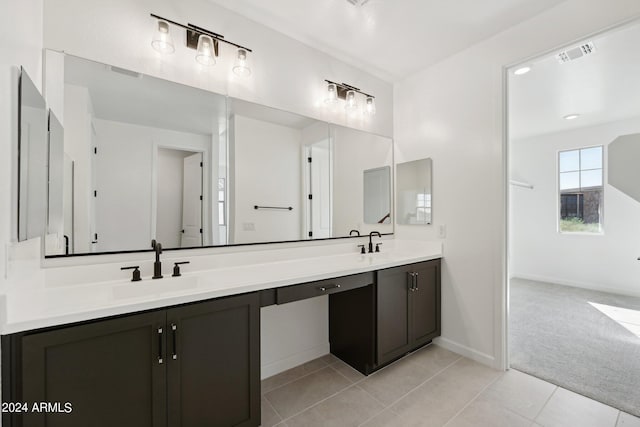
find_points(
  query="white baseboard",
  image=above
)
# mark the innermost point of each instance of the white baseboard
(292, 361)
(583, 285)
(468, 352)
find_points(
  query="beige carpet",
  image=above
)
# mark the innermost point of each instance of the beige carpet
(581, 340)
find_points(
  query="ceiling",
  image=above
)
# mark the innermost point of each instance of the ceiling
(602, 87)
(390, 38)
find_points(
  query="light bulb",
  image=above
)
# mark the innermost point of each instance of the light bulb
(204, 54)
(241, 68)
(370, 106)
(162, 40)
(332, 94)
(352, 104)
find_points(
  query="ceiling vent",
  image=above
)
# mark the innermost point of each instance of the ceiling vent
(357, 2)
(576, 52)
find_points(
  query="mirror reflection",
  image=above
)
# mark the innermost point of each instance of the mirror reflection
(32, 160)
(413, 192)
(144, 158)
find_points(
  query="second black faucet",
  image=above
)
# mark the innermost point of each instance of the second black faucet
(157, 265)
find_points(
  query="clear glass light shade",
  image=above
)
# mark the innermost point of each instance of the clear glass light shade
(162, 40)
(352, 104)
(332, 94)
(204, 52)
(241, 66)
(370, 106)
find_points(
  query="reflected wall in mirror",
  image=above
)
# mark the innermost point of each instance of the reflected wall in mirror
(32, 161)
(144, 158)
(413, 192)
(56, 190)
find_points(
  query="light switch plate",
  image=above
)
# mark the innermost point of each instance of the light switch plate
(442, 231)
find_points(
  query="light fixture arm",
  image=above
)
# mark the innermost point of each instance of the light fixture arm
(199, 30)
(345, 87)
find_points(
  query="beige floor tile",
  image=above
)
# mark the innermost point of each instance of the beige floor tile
(444, 395)
(304, 392)
(568, 409)
(346, 370)
(292, 374)
(394, 381)
(627, 420)
(519, 392)
(484, 413)
(349, 408)
(433, 357)
(386, 418)
(268, 414)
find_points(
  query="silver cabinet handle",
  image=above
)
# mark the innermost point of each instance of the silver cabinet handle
(326, 288)
(411, 277)
(174, 332)
(160, 359)
(415, 280)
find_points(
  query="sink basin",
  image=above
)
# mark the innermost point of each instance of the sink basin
(154, 287)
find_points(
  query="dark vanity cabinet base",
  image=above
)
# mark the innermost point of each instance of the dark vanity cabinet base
(372, 326)
(192, 365)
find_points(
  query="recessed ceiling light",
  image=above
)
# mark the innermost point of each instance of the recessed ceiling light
(571, 116)
(522, 70)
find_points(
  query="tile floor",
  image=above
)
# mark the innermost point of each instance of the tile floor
(430, 387)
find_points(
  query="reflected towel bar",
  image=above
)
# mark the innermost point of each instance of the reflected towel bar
(289, 208)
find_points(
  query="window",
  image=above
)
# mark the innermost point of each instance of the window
(580, 176)
(423, 208)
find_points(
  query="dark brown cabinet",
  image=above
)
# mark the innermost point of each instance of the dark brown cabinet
(374, 325)
(408, 313)
(192, 365)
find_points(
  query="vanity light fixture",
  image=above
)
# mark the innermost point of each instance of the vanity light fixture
(571, 116)
(350, 94)
(241, 68)
(162, 40)
(205, 43)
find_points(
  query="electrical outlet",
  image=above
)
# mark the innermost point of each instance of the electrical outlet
(248, 226)
(442, 231)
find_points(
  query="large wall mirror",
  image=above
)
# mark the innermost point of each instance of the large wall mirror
(32, 160)
(143, 158)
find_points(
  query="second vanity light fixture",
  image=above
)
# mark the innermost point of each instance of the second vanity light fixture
(205, 43)
(349, 93)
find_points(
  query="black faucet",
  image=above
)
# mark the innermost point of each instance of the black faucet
(354, 231)
(370, 242)
(157, 265)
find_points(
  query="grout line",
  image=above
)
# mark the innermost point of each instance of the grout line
(545, 403)
(475, 398)
(617, 419)
(297, 378)
(274, 410)
(319, 402)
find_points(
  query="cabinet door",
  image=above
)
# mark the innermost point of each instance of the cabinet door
(109, 371)
(214, 363)
(425, 303)
(393, 312)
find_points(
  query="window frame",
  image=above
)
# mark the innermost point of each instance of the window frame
(600, 232)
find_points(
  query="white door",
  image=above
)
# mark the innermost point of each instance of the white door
(192, 202)
(320, 185)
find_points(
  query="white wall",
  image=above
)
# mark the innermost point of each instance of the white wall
(605, 262)
(286, 73)
(453, 113)
(267, 163)
(124, 180)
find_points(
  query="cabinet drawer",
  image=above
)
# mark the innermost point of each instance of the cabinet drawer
(323, 287)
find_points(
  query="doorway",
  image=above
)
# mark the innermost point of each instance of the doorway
(179, 198)
(573, 233)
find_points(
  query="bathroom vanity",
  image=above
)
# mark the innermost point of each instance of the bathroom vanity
(190, 355)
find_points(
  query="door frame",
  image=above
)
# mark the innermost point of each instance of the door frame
(206, 185)
(502, 297)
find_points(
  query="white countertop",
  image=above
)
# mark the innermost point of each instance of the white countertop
(49, 304)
